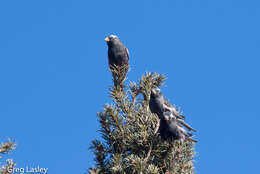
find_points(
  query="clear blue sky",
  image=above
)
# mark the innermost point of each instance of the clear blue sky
(54, 75)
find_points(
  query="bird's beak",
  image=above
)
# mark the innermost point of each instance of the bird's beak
(153, 91)
(107, 39)
(166, 118)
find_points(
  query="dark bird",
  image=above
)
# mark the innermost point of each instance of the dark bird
(171, 129)
(118, 56)
(158, 104)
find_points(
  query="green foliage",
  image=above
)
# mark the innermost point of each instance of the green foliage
(130, 143)
(4, 149)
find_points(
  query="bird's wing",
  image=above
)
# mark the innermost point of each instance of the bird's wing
(186, 125)
(173, 111)
(127, 52)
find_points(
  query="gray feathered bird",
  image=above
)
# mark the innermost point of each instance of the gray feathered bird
(117, 53)
(158, 104)
(171, 129)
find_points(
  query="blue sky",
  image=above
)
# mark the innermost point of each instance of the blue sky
(54, 75)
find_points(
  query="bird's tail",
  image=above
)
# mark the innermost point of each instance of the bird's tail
(191, 139)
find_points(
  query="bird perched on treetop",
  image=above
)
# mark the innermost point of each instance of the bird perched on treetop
(158, 104)
(170, 128)
(118, 56)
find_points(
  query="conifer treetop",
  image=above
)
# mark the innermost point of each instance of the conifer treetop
(129, 141)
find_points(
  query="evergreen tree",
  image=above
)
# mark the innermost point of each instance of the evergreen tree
(130, 142)
(8, 165)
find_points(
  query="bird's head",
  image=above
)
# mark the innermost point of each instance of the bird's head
(111, 39)
(168, 116)
(156, 92)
